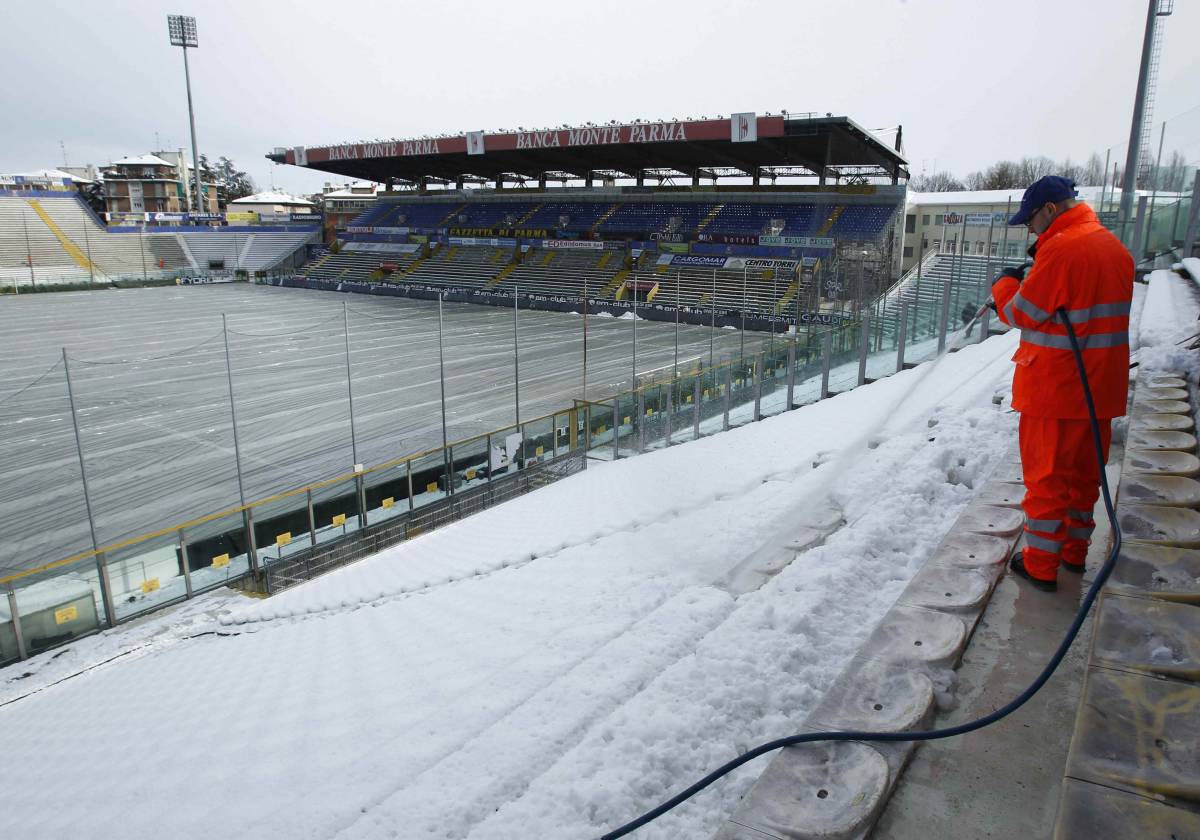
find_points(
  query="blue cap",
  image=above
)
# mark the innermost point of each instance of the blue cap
(1040, 193)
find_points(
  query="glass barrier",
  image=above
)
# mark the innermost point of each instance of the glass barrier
(283, 527)
(505, 456)
(807, 388)
(429, 478)
(217, 551)
(336, 508)
(469, 462)
(539, 440)
(53, 610)
(712, 399)
(1166, 223)
(387, 492)
(654, 414)
(843, 363)
(601, 426)
(742, 387)
(684, 406)
(562, 432)
(147, 575)
(629, 423)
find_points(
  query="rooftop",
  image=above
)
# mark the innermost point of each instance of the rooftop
(142, 160)
(272, 198)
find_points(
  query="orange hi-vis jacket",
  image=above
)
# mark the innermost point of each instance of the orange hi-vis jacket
(1083, 268)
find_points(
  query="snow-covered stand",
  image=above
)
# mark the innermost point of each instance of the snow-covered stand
(837, 790)
(1133, 770)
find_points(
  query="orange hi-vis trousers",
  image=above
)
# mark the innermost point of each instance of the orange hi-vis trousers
(1062, 483)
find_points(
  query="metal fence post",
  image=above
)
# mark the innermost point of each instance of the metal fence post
(312, 517)
(247, 523)
(16, 621)
(633, 384)
(985, 323)
(183, 558)
(349, 385)
(408, 476)
(944, 324)
(670, 410)
(864, 345)
(826, 357)
(360, 492)
(106, 597)
(446, 462)
(516, 361)
(901, 335)
(728, 395)
(1140, 229)
(641, 421)
(696, 407)
(251, 540)
(758, 377)
(616, 426)
(791, 375)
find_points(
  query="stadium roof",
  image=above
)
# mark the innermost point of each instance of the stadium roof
(142, 160)
(1091, 195)
(52, 175)
(272, 198)
(742, 145)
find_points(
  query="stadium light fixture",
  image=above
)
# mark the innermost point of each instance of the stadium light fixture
(182, 31)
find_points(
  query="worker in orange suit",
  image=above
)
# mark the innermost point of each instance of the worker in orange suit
(1082, 268)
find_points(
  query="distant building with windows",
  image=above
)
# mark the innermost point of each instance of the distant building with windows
(270, 207)
(344, 203)
(976, 222)
(150, 184)
(53, 180)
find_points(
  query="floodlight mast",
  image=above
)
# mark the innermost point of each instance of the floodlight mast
(182, 30)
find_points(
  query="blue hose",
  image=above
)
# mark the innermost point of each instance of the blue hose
(949, 731)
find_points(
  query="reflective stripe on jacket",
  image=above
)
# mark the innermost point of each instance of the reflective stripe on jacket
(1083, 268)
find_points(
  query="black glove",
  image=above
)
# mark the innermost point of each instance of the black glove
(1016, 272)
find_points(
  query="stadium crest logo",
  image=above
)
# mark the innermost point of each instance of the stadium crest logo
(743, 128)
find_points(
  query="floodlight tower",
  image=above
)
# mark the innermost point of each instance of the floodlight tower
(1137, 159)
(182, 29)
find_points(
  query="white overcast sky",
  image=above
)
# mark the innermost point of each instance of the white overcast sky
(971, 81)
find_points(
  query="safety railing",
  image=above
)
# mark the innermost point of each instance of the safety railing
(288, 536)
(20, 281)
(896, 332)
(285, 537)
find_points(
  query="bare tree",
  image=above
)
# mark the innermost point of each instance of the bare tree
(1092, 173)
(936, 182)
(1172, 175)
(1032, 168)
(1001, 175)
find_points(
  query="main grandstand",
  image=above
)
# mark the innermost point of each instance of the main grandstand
(804, 225)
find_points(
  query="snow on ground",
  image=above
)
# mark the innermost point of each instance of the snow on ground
(1168, 322)
(143, 635)
(548, 668)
